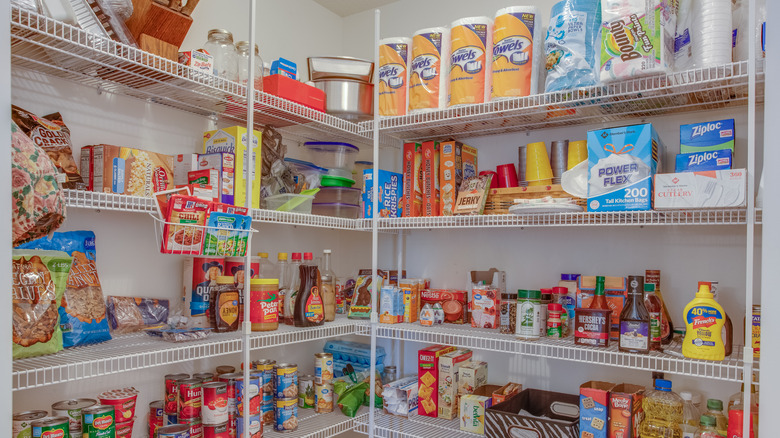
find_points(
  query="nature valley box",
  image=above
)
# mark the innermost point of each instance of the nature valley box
(428, 375)
(449, 364)
(234, 140)
(625, 410)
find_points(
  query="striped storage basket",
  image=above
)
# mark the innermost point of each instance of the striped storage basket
(562, 411)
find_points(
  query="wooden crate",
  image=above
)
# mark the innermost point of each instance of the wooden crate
(499, 200)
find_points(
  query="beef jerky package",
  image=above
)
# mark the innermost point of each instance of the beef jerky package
(51, 134)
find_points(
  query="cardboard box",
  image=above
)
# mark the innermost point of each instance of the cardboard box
(206, 177)
(284, 67)
(616, 290)
(199, 60)
(454, 302)
(130, 171)
(625, 410)
(471, 376)
(225, 164)
(86, 165)
(707, 136)
(392, 276)
(412, 188)
(404, 390)
(560, 414)
(390, 187)
(457, 161)
(701, 161)
(411, 290)
(506, 392)
(594, 404)
(492, 277)
(713, 189)
(183, 164)
(234, 140)
(473, 408)
(430, 178)
(449, 365)
(428, 375)
(391, 305)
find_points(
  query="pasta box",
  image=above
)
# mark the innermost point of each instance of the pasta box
(625, 410)
(473, 408)
(430, 178)
(616, 290)
(594, 405)
(449, 364)
(552, 415)
(428, 379)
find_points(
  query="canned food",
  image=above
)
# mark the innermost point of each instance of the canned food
(225, 369)
(174, 431)
(156, 416)
(170, 391)
(51, 427)
(287, 380)
(267, 411)
(232, 426)
(216, 430)
(286, 411)
(72, 409)
(125, 429)
(215, 403)
(249, 393)
(204, 377)
(98, 421)
(196, 427)
(306, 392)
(323, 398)
(323, 368)
(123, 401)
(22, 423)
(189, 395)
(255, 427)
(171, 419)
(230, 380)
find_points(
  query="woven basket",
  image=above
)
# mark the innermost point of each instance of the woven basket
(499, 200)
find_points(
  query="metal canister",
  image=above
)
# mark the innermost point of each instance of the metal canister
(230, 380)
(323, 398)
(72, 409)
(255, 427)
(225, 369)
(267, 412)
(98, 422)
(189, 395)
(196, 427)
(51, 427)
(204, 377)
(287, 380)
(174, 431)
(156, 416)
(286, 413)
(215, 403)
(170, 391)
(248, 392)
(323, 368)
(171, 419)
(306, 392)
(216, 430)
(22, 423)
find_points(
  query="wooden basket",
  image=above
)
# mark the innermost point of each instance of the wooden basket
(499, 200)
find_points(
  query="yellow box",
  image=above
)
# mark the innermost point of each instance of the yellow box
(234, 140)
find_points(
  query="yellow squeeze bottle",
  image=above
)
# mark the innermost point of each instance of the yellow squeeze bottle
(704, 319)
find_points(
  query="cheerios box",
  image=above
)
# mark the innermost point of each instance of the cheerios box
(449, 365)
(625, 410)
(428, 379)
(594, 405)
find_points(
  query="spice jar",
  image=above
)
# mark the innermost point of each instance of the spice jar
(554, 321)
(264, 307)
(546, 300)
(223, 306)
(508, 313)
(528, 326)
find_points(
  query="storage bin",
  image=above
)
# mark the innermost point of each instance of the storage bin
(562, 412)
(343, 195)
(290, 202)
(347, 211)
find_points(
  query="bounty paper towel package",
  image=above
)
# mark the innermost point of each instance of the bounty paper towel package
(707, 136)
(637, 38)
(517, 48)
(471, 42)
(714, 189)
(429, 71)
(572, 45)
(621, 165)
(393, 75)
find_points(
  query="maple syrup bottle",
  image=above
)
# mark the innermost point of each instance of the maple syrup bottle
(309, 306)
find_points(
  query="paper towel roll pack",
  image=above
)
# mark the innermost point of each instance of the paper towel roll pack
(394, 54)
(517, 47)
(471, 42)
(572, 45)
(428, 71)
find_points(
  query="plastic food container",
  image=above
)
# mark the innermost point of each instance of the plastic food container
(338, 195)
(333, 155)
(290, 202)
(340, 67)
(347, 211)
(360, 166)
(336, 181)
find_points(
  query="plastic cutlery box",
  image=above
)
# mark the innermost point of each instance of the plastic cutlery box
(711, 189)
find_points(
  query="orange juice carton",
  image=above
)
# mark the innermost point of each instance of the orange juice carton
(412, 187)
(457, 161)
(616, 291)
(393, 71)
(517, 49)
(594, 405)
(506, 392)
(225, 164)
(428, 71)
(625, 410)
(471, 42)
(449, 364)
(234, 140)
(471, 376)
(410, 287)
(473, 408)
(430, 178)
(428, 378)
(391, 305)
(182, 165)
(485, 307)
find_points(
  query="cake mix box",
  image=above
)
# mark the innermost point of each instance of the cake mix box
(428, 375)
(457, 161)
(233, 140)
(412, 187)
(449, 364)
(625, 410)
(707, 136)
(431, 195)
(594, 404)
(390, 189)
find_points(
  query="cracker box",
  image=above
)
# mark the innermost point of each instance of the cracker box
(625, 411)
(453, 302)
(390, 186)
(411, 290)
(428, 375)
(183, 164)
(594, 404)
(412, 187)
(400, 397)
(550, 415)
(86, 165)
(471, 376)
(430, 178)
(616, 290)
(707, 136)
(225, 164)
(713, 189)
(449, 364)
(473, 408)
(506, 392)
(457, 161)
(199, 60)
(234, 140)
(701, 161)
(130, 171)
(621, 165)
(391, 305)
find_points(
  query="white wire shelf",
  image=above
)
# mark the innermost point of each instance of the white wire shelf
(724, 86)
(303, 219)
(670, 361)
(416, 426)
(109, 201)
(313, 425)
(140, 351)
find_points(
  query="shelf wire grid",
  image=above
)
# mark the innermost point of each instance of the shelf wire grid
(314, 425)
(415, 426)
(286, 335)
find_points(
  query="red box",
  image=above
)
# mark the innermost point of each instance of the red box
(454, 302)
(625, 410)
(295, 91)
(412, 195)
(428, 379)
(430, 178)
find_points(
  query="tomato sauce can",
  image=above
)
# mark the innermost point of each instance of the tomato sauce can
(196, 427)
(323, 398)
(323, 368)
(99, 421)
(156, 416)
(171, 419)
(72, 409)
(232, 426)
(174, 431)
(248, 393)
(189, 395)
(216, 430)
(170, 391)
(286, 413)
(22, 423)
(215, 403)
(230, 380)
(51, 427)
(204, 377)
(287, 380)
(255, 427)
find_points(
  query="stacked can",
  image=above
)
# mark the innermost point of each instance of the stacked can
(72, 409)
(171, 402)
(267, 369)
(229, 379)
(190, 400)
(286, 398)
(214, 410)
(247, 393)
(156, 416)
(323, 382)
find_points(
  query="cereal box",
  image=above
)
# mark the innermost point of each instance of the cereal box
(430, 178)
(616, 290)
(594, 402)
(390, 186)
(412, 187)
(473, 408)
(400, 397)
(428, 375)
(506, 392)
(457, 162)
(485, 305)
(453, 302)
(183, 164)
(471, 376)
(225, 164)
(130, 171)
(625, 411)
(410, 287)
(391, 305)
(707, 136)
(233, 140)
(449, 364)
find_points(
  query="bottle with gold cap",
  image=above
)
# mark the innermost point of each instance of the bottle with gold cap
(704, 319)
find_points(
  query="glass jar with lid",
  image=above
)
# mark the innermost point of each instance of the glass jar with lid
(224, 305)
(242, 50)
(220, 46)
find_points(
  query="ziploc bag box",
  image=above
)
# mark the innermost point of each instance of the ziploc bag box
(449, 365)
(625, 410)
(621, 165)
(707, 136)
(594, 405)
(400, 397)
(713, 189)
(234, 140)
(390, 199)
(428, 375)
(616, 290)
(701, 161)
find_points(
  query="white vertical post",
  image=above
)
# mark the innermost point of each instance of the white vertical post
(6, 363)
(374, 237)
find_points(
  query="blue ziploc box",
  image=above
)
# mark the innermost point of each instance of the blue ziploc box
(390, 189)
(707, 136)
(284, 67)
(621, 165)
(703, 161)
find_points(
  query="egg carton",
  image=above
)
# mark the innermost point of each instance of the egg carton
(354, 352)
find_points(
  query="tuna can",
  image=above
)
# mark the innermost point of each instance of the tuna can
(230, 380)
(204, 377)
(306, 392)
(189, 395)
(215, 403)
(255, 427)
(170, 391)
(267, 411)
(22, 423)
(174, 431)
(216, 430)
(51, 427)
(323, 368)
(196, 427)
(286, 411)
(287, 380)
(72, 409)
(156, 416)
(248, 393)
(98, 421)
(171, 419)
(323, 398)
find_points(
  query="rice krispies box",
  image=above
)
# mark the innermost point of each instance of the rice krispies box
(594, 404)
(625, 410)
(390, 190)
(428, 375)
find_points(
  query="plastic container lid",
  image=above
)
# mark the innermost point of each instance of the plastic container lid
(707, 420)
(331, 146)
(304, 165)
(649, 287)
(282, 256)
(570, 277)
(714, 404)
(264, 281)
(308, 256)
(365, 163)
(262, 255)
(547, 291)
(225, 279)
(555, 307)
(336, 181)
(663, 385)
(529, 294)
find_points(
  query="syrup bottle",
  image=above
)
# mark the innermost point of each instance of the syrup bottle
(635, 320)
(309, 306)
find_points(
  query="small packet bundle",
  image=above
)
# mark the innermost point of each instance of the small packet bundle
(132, 314)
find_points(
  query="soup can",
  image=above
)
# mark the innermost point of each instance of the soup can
(287, 380)
(171, 390)
(306, 392)
(99, 421)
(156, 416)
(72, 409)
(230, 380)
(174, 431)
(248, 393)
(323, 398)
(323, 368)
(216, 430)
(215, 403)
(196, 427)
(51, 427)
(225, 369)
(204, 377)
(261, 384)
(286, 411)
(268, 414)
(255, 427)
(22, 423)
(190, 393)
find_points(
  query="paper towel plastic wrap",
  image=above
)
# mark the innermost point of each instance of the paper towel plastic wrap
(572, 45)
(394, 54)
(517, 48)
(637, 38)
(428, 74)
(743, 35)
(471, 43)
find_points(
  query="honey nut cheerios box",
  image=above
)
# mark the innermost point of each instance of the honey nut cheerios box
(428, 379)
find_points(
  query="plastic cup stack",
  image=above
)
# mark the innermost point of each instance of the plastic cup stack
(521, 169)
(538, 170)
(712, 33)
(560, 152)
(578, 152)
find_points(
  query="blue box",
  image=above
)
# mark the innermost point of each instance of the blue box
(702, 161)
(284, 67)
(707, 136)
(391, 186)
(621, 165)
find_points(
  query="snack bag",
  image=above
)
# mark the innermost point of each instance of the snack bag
(132, 314)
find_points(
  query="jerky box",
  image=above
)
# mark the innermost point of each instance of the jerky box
(594, 404)
(506, 392)
(428, 375)
(430, 178)
(701, 161)
(625, 410)
(234, 140)
(714, 189)
(457, 161)
(390, 187)
(552, 415)
(616, 291)
(130, 171)
(405, 392)
(412, 183)
(621, 165)
(449, 364)
(473, 408)
(471, 376)
(707, 136)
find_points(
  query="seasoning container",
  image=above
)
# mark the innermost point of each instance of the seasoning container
(592, 327)
(554, 320)
(635, 320)
(756, 331)
(264, 304)
(545, 301)
(560, 296)
(508, 316)
(391, 374)
(528, 326)
(655, 307)
(223, 306)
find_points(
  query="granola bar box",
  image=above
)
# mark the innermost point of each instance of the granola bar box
(552, 415)
(428, 379)
(130, 171)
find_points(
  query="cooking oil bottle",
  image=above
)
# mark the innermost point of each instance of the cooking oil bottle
(663, 412)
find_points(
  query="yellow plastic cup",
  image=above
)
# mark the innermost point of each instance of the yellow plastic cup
(537, 165)
(578, 152)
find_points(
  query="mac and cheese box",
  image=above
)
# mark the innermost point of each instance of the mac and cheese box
(428, 375)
